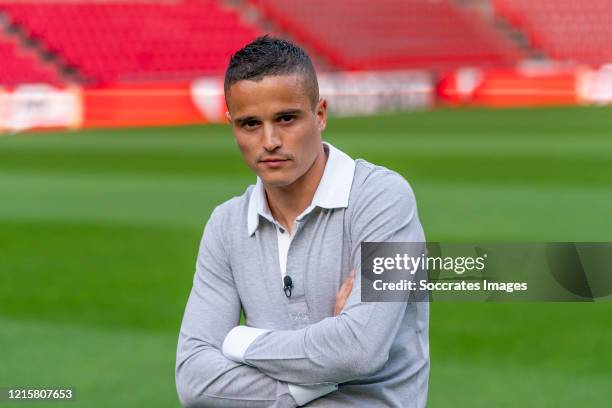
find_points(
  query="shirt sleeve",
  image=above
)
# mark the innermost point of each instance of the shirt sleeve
(204, 376)
(240, 338)
(356, 343)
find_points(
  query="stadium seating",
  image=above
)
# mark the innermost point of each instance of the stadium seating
(575, 30)
(138, 41)
(19, 65)
(392, 34)
(134, 41)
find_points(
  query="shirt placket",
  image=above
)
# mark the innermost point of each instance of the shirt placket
(296, 305)
(284, 239)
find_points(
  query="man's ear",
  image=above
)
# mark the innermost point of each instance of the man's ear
(228, 116)
(321, 112)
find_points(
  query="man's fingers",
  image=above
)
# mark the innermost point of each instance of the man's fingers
(343, 293)
(345, 289)
(348, 284)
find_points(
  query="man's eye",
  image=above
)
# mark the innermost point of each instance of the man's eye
(249, 124)
(286, 119)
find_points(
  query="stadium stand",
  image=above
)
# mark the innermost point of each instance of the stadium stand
(18, 65)
(127, 41)
(131, 41)
(392, 34)
(574, 30)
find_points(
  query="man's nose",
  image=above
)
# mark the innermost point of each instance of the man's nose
(271, 139)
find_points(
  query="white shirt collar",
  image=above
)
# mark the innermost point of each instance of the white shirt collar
(333, 190)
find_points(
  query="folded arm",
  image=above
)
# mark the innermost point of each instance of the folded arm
(204, 376)
(356, 343)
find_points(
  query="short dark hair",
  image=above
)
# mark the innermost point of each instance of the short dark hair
(268, 56)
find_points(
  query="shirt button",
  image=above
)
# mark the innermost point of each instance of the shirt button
(282, 231)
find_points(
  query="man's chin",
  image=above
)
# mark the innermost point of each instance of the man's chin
(272, 180)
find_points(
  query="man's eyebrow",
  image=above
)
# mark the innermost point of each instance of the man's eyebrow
(288, 112)
(244, 119)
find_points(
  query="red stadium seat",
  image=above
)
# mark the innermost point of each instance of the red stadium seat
(392, 34)
(118, 42)
(19, 66)
(115, 42)
(573, 30)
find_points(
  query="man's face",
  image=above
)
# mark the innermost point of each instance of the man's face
(276, 127)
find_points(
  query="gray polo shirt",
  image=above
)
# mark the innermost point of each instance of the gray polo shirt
(378, 353)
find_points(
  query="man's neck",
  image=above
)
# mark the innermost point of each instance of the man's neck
(286, 203)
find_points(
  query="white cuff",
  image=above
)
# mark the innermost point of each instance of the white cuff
(238, 341)
(303, 394)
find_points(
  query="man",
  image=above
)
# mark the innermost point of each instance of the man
(283, 253)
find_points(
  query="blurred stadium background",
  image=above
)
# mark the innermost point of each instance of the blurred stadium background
(494, 110)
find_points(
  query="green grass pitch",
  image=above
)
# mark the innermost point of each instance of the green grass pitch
(99, 232)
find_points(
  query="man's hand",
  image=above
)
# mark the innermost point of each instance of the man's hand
(343, 293)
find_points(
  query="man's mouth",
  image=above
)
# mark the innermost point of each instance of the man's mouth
(274, 162)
